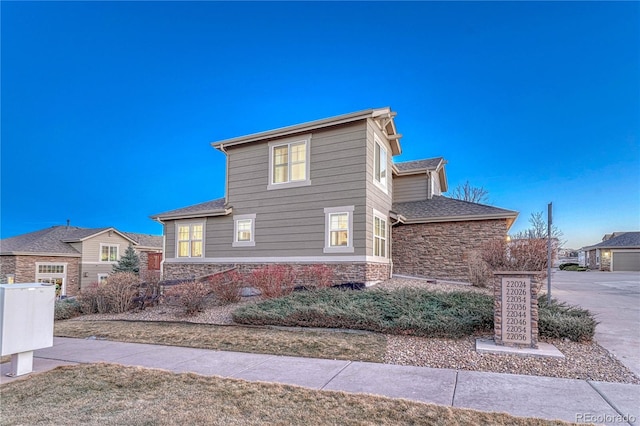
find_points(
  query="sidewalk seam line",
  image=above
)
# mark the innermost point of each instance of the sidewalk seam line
(607, 400)
(455, 388)
(336, 375)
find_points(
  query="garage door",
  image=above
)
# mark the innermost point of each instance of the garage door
(626, 261)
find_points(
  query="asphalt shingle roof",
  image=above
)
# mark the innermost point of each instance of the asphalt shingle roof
(44, 241)
(216, 205)
(55, 240)
(428, 163)
(626, 240)
(145, 240)
(440, 207)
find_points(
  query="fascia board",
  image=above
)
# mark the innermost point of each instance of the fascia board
(298, 128)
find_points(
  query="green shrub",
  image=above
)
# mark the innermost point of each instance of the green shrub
(564, 266)
(67, 308)
(407, 311)
(575, 267)
(559, 320)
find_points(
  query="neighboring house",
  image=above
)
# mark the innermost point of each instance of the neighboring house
(619, 251)
(328, 192)
(72, 257)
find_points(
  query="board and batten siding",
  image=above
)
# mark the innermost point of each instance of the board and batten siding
(375, 196)
(410, 188)
(290, 222)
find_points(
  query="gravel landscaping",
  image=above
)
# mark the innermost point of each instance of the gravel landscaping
(587, 361)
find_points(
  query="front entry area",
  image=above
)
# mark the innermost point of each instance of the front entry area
(53, 273)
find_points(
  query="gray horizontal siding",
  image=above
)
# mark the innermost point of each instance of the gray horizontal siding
(291, 221)
(376, 198)
(410, 188)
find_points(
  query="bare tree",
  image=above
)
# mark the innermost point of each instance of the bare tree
(473, 194)
(538, 230)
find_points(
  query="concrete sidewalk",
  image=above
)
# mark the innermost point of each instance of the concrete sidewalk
(519, 395)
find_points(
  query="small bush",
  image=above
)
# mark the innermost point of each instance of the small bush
(67, 308)
(190, 295)
(274, 280)
(559, 320)
(227, 287)
(115, 296)
(479, 273)
(563, 266)
(575, 268)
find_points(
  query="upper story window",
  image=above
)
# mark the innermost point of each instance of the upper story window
(338, 229)
(379, 234)
(190, 239)
(379, 164)
(108, 252)
(289, 163)
(244, 230)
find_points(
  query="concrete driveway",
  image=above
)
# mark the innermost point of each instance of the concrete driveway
(614, 297)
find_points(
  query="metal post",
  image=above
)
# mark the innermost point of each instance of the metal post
(549, 220)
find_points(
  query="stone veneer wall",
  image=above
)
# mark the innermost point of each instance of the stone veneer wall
(441, 250)
(605, 260)
(24, 268)
(344, 272)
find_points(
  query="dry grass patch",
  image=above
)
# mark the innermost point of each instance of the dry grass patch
(100, 394)
(318, 344)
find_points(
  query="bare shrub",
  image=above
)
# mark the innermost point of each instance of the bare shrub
(120, 290)
(190, 295)
(317, 276)
(115, 296)
(274, 280)
(227, 287)
(517, 255)
(150, 290)
(479, 271)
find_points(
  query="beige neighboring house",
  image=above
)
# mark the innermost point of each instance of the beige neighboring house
(72, 258)
(329, 192)
(619, 251)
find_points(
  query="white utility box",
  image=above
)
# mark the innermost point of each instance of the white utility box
(26, 322)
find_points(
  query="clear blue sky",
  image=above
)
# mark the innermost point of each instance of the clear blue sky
(108, 108)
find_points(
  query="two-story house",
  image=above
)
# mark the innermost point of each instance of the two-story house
(73, 258)
(325, 192)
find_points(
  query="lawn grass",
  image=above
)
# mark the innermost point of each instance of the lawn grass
(100, 394)
(308, 343)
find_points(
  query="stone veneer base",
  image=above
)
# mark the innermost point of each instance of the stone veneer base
(344, 272)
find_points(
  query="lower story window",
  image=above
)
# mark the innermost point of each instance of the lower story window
(244, 226)
(338, 229)
(379, 236)
(190, 239)
(102, 278)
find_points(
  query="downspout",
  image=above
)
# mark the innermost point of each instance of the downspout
(164, 246)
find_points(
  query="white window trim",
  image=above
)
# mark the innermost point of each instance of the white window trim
(384, 187)
(328, 211)
(384, 217)
(117, 246)
(177, 238)
(303, 138)
(252, 241)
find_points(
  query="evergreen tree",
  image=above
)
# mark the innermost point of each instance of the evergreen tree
(129, 262)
